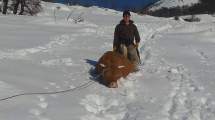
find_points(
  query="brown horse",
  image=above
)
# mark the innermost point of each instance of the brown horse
(112, 66)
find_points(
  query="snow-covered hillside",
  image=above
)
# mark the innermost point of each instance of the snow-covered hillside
(43, 54)
(172, 3)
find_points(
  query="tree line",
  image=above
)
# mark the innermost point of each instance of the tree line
(203, 7)
(27, 7)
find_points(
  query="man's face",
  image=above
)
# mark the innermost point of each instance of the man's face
(126, 18)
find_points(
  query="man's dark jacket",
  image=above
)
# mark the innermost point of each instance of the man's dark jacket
(126, 34)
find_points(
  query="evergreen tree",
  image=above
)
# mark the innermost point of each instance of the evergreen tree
(209, 5)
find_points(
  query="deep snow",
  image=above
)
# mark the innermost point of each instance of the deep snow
(40, 54)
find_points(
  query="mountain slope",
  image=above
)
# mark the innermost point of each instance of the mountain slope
(172, 3)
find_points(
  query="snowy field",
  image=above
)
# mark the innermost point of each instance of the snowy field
(41, 54)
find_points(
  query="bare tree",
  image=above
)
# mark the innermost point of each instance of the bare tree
(23, 7)
(5, 3)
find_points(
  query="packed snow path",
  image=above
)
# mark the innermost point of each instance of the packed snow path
(40, 54)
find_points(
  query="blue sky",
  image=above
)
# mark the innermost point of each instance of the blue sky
(116, 4)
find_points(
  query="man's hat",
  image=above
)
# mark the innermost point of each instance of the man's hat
(126, 12)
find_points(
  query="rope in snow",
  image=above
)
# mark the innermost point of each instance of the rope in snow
(82, 86)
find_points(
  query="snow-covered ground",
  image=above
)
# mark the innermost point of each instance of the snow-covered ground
(41, 54)
(172, 3)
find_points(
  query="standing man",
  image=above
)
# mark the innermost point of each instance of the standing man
(126, 39)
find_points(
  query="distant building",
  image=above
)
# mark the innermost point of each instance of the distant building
(113, 4)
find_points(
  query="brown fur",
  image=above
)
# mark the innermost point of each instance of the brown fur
(112, 66)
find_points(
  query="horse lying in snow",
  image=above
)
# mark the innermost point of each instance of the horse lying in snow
(112, 66)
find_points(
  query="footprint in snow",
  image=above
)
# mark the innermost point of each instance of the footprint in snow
(35, 112)
(39, 112)
(42, 102)
(100, 107)
(54, 85)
